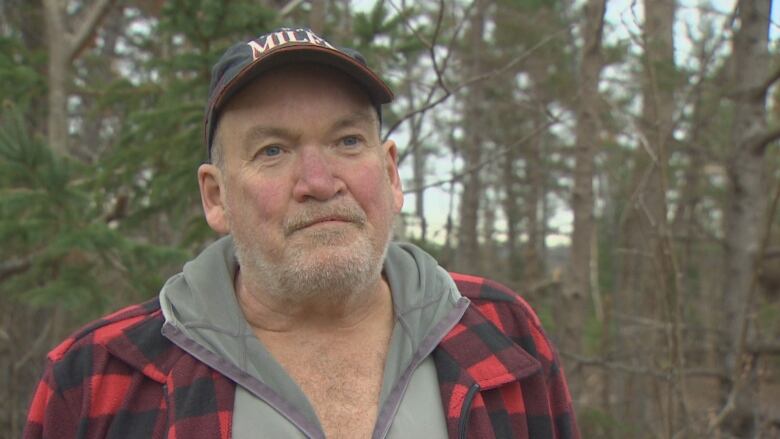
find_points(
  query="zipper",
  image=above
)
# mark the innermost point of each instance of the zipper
(465, 411)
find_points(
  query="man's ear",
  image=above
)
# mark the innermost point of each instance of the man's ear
(391, 165)
(210, 180)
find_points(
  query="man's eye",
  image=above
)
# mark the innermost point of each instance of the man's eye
(271, 151)
(350, 141)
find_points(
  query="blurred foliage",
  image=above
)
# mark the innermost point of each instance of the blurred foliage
(598, 423)
(130, 217)
(53, 230)
(20, 78)
(161, 139)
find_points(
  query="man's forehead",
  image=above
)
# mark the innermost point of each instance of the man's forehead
(269, 127)
(248, 123)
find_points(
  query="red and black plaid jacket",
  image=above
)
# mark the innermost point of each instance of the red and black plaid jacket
(120, 378)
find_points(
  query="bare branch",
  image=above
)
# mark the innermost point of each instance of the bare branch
(439, 73)
(482, 77)
(596, 41)
(772, 252)
(13, 267)
(35, 348)
(87, 28)
(498, 155)
(439, 70)
(289, 7)
(770, 80)
(760, 142)
(581, 360)
(766, 348)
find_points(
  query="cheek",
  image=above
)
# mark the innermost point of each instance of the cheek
(372, 189)
(259, 201)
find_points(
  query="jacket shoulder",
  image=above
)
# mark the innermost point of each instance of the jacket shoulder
(107, 375)
(510, 313)
(485, 291)
(108, 328)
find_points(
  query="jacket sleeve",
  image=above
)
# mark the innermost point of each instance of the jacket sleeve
(558, 396)
(50, 415)
(560, 409)
(560, 402)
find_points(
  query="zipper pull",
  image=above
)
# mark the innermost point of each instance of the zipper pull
(465, 411)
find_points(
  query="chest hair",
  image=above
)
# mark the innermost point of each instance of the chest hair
(341, 378)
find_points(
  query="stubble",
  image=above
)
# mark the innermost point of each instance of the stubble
(335, 262)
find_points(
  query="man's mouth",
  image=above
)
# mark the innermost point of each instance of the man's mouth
(334, 219)
(327, 220)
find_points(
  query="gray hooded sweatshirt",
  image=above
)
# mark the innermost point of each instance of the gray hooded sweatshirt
(202, 317)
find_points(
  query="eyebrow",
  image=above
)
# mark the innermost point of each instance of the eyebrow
(356, 118)
(259, 132)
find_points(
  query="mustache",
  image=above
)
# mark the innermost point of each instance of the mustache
(317, 213)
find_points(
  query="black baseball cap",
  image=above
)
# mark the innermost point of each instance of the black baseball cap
(244, 61)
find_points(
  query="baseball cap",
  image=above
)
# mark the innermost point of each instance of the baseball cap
(246, 60)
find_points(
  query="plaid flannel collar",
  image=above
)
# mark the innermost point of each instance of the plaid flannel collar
(477, 352)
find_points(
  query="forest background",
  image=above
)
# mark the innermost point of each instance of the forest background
(614, 161)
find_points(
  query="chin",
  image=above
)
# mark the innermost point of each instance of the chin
(333, 265)
(329, 264)
(325, 239)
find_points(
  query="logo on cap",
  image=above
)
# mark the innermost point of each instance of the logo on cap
(284, 37)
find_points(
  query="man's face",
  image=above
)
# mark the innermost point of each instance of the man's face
(306, 188)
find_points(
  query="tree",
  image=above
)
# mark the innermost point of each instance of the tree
(746, 204)
(587, 143)
(468, 256)
(64, 47)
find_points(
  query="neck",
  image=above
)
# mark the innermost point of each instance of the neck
(319, 312)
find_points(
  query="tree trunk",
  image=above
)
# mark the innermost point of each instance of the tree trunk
(468, 258)
(64, 47)
(317, 15)
(532, 251)
(418, 178)
(92, 143)
(578, 291)
(419, 155)
(536, 176)
(57, 78)
(642, 287)
(492, 264)
(586, 147)
(747, 191)
(512, 213)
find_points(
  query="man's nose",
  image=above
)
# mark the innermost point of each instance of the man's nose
(316, 178)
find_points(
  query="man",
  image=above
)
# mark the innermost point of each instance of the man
(305, 321)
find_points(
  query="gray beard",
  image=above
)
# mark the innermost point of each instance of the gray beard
(342, 276)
